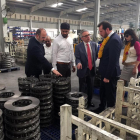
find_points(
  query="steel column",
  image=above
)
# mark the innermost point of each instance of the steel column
(1, 30)
(96, 18)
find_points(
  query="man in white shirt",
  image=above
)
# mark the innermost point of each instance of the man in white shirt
(62, 52)
(48, 51)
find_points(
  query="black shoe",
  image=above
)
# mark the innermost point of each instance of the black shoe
(98, 110)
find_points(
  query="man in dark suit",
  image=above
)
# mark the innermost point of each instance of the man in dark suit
(109, 67)
(36, 61)
(86, 55)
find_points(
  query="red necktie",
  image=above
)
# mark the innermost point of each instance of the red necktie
(89, 57)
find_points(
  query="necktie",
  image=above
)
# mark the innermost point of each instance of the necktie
(89, 57)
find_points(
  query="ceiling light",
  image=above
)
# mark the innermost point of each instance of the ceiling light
(102, 13)
(57, 4)
(83, 9)
(19, 0)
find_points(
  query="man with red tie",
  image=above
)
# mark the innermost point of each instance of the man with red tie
(86, 54)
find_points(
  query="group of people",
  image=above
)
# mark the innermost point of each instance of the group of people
(86, 54)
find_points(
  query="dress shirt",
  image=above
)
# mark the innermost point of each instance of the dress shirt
(62, 50)
(90, 50)
(111, 33)
(48, 53)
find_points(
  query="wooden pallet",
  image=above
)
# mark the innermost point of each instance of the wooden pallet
(9, 69)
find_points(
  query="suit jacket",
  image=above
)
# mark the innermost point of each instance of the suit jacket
(109, 62)
(36, 61)
(81, 57)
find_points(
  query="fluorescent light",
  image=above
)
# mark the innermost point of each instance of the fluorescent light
(57, 4)
(83, 9)
(19, 0)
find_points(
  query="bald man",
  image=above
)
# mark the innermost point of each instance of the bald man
(48, 51)
(36, 61)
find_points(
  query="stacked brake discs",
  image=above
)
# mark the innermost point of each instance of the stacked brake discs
(6, 60)
(1, 126)
(25, 84)
(46, 77)
(61, 86)
(43, 91)
(22, 119)
(72, 98)
(6, 95)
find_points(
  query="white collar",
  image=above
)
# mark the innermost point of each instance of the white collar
(111, 33)
(86, 43)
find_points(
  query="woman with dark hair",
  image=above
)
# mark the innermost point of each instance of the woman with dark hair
(131, 56)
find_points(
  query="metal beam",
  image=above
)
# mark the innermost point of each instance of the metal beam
(70, 10)
(45, 4)
(118, 14)
(107, 9)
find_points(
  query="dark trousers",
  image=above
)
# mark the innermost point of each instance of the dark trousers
(86, 85)
(64, 69)
(108, 93)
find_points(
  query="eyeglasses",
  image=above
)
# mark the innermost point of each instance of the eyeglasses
(87, 35)
(126, 35)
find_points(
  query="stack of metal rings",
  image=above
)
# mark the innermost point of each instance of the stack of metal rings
(61, 86)
(21, 118)
(1, 126)
(6, 95)
(43, 91)
(46, 77)
(25, 84)
(6, 60)
(72, 98)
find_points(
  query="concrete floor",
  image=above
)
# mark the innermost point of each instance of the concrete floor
(10, 80)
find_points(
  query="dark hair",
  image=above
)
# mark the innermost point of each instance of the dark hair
(132, 34)
(105, 25)
(65, 25)
(38, 32)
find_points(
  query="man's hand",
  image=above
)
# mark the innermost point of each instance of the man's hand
(73, 68)
(56, 73)
(106, 80)
(79, 66)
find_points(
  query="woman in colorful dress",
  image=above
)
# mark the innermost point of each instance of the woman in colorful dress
(131, 56)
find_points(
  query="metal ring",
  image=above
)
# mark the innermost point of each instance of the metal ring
(15, 94)
(9, 105)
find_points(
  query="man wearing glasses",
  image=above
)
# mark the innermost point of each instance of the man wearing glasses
(62, 52)
(86, 54)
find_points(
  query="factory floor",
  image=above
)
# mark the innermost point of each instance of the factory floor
(10, 80)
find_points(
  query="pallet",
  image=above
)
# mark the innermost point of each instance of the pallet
(9, 69)
(53, 132)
